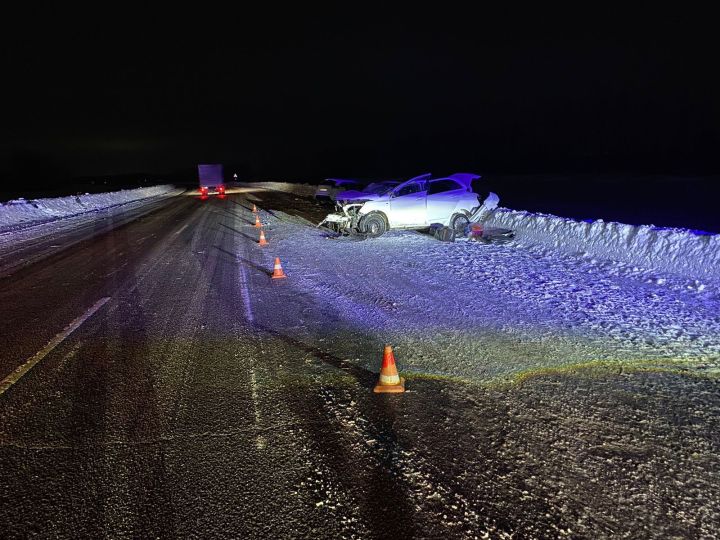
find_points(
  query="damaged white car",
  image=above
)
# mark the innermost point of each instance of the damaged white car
(415, 204)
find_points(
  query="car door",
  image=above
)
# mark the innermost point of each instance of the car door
(442, 199)
(407, 205)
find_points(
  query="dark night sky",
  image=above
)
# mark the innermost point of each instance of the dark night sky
(360, 92)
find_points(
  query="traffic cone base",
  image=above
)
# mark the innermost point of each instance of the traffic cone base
(277, 270)
(390, 388)
(390, 382)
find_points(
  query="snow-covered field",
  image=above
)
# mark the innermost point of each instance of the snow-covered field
(678, 251)
(493, 312)
(304, 190)
(21, 213)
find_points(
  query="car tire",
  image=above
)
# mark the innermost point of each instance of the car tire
(458, 223)
(373, 225)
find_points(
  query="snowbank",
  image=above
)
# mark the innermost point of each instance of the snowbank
(678, 251)
(21, 212)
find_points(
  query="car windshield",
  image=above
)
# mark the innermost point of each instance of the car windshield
(409, 189)
(379, 188)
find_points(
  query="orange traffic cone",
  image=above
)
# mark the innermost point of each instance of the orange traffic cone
(389, 381)
(262, 241)
(257, 221)
(254, 209)
(278, 271)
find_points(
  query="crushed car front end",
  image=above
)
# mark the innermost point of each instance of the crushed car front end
(350, 207)
(346, 219)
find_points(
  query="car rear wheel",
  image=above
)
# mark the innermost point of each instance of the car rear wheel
(373, 225)
(458, 223)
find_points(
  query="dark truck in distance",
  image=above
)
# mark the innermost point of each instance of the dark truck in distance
(211, 179)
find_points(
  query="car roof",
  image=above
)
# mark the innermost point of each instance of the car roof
(465, 179)
(465, 176)
(425, 176)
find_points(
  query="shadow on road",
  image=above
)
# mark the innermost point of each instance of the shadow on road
(364, 377)
(248, 208)
(239, 259)
(239, 232)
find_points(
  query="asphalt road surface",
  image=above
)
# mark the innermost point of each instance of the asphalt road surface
(179, 407)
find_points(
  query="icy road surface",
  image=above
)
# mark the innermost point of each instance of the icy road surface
(548, 395)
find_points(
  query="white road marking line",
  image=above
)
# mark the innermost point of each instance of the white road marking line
(70, 354)
(16, 375)
(245, 294)
(181, 229)
(244, 285)
(260, 441)
(253, 387)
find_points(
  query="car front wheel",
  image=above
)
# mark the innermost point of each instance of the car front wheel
(373, 225)
(458, 223)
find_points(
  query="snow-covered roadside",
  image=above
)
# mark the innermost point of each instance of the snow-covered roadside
(492, 312)
(679, 251)
(39, 234)
(21, 213)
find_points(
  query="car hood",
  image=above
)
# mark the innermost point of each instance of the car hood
(352, 195)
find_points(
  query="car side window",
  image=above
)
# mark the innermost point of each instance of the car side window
(409, 189)
(440, 186)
